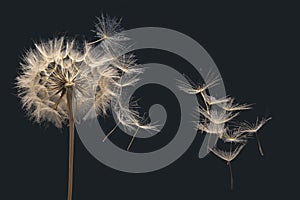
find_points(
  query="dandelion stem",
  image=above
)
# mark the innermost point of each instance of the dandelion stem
(112, 130)
(231, 176)
(71, 142)
(259, 145)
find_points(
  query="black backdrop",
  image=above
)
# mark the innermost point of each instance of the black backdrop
(255, 46)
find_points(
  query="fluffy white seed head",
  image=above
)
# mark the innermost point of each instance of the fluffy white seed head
(52, 67)
(96, 72)
(218, 120)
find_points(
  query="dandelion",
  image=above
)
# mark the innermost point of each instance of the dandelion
(141, 124)
(62, 80)
(191, 87)
(228, 157)
(50, 80)
(109, 28)
(249, 128)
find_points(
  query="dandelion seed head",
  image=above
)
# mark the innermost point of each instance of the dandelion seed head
(95, 72)
(47, 71)
(58, 64)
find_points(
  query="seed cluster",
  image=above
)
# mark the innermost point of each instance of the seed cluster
(217, 120)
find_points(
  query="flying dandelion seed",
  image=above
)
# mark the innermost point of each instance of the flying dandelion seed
(61, 81)
(217, 121)
(210, 100)
(230, 106)
(192, 88)
(211, 128)
(234, 137)
(251, 129)
(217, 116)
(228, 157)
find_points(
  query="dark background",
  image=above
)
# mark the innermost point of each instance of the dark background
(256, 48)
